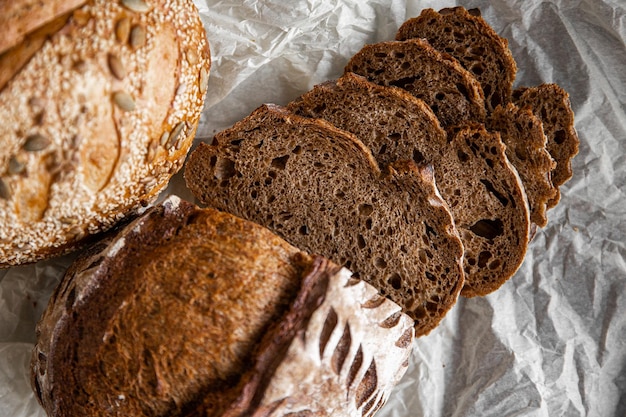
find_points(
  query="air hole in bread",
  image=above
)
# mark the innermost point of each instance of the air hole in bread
(463, 157)
(419, 313)
(478, 69)
(367, 386)
(236, 142)
(280, 162)
(488, 229)
(463, 90)
(297, 150)
(339, 193)
(395, 280)
(440, 96)
(304, 230)
(329, 326)
(224, 169)
(383, 149)
(483, 258)
(365, 209)
(253, 194)
(404, 82)
(418, 157)
(380, 263)
(360, 242)
(489, 186)
(431, 277)
(559, 137)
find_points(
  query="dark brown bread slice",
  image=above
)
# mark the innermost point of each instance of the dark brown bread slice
(396, 125)
(320, 188)
(414, 65)
(551, 104)
(465, 35)
(522, 133)
(196, 312)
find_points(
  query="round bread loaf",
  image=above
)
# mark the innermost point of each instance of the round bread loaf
(99, 107)
(195, 312)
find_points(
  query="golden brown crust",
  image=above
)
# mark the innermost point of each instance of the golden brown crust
(97, 121)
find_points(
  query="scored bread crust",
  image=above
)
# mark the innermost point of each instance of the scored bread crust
(137, 328)
(395, 125)
(437, 78)
(321, 189)
(551, 104)
(96, 121)
(466, 36)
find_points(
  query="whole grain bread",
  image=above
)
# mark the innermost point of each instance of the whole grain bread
(138, 326)
(321, 189)
(437, 78)
(466, 36)
(469, 171)
(551, 104)
(99, 108)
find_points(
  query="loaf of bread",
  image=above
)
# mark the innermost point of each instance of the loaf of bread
(451, 91)
(99, 104)
(320, 189)
(189, 312)
(466, 36)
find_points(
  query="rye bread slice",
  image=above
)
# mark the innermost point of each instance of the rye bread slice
(321, 190)
(437, 78)
(465, 35)
(551, 104)
(522, 133)
(471, 170)
(137, 326)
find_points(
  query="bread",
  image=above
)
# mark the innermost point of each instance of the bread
(196, 312)
(320, 189)
(466, 36)
(551, 104)
(522, 133)
(414, 65)
(98, 110)
(470, 168)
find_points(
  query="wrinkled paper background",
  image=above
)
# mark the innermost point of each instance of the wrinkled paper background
(552, 340)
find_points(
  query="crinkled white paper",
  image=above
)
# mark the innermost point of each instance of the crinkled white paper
(552, 340)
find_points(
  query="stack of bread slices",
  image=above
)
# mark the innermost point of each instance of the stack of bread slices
(420, 169)
(336, 229)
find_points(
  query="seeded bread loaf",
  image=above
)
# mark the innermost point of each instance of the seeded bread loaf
(320, 188)
(437, 78)
(522, 133)
(551, 104)
(194, 312)
(466, 36)
(471, 169)
(98, 111)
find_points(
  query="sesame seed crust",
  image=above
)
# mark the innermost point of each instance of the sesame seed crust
(83, 119)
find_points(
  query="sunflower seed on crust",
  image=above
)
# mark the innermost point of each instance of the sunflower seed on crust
(116, 67)
(124, 101)
(15, 166)
(139, 6)
(137, 36)
(204, 80)
(36, 142)
(5, 191)
(174, 135)
(122, 30)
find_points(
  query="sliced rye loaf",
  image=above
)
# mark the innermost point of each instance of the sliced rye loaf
(465, 35)
(437, 78)
(321, 190)
(551, 104)
(480, 187)
(522, 133)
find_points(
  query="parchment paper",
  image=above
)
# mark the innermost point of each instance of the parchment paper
(552, 340)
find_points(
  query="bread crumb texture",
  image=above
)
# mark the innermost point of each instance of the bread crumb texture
(97, 121)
